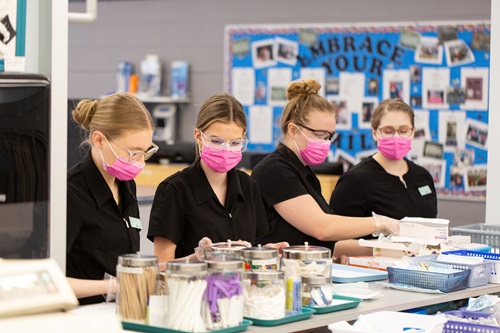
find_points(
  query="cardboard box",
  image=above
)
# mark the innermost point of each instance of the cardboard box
(380, 263)
(424, 228)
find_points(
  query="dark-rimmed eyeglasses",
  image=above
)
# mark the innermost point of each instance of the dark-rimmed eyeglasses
(321, 134)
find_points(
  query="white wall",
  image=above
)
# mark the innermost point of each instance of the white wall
(493, 185)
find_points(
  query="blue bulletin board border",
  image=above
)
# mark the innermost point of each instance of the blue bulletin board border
(440, 68)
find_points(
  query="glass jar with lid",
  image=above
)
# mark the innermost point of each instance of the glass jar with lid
(306, 259)
(227, 250)
(316, 290)
(264, 294)
(136, 277)
(261, 258)
(223, 300)
(186, 284)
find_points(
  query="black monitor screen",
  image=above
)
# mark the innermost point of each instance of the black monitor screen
(24, 165)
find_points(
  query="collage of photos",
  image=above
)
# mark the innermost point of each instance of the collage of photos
(442, 81)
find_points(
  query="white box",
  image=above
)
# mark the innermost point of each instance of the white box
(380, 263)
(424, 228)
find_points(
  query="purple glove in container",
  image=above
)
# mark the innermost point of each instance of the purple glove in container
(223, 299)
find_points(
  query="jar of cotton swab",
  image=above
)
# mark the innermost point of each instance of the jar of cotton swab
(223, 300)
(186, 286)
(136, 283)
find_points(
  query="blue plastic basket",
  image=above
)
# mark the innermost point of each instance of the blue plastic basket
(465, 327)
(491, 257)
(479, 273)
(429, 280)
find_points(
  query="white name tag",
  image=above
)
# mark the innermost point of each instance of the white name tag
(424, 190)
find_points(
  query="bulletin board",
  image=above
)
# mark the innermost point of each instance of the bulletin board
(441, 69)
(12, 36)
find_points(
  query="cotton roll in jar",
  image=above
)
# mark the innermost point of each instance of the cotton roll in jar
(186, 284)
(264, 294)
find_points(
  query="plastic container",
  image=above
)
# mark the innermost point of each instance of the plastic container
(260, 258)
(491, 257)
(264, 294)
(136, 277)
(306, 259)
(429, 280)
(186, 282)
(479, 273)
(481, 233)
(316, 290)
(452, 326)
(223, 299)
(390, 322)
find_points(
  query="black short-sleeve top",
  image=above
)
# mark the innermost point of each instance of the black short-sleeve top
(368, 188)
(186, 209)
(98, 230)
(282, 176)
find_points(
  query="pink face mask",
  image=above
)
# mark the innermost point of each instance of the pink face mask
(122, 169)
(220, 161)
(315, 152)
(394, 148)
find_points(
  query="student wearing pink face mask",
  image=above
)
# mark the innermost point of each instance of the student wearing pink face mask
(102, 212)
(386, 182)
(296, 210)
(210, 198)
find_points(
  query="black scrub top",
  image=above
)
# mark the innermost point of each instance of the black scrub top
(98, 230)
(368, 188)
(282, 176)
(186, 209)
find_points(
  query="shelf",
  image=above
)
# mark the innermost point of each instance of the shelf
(161, 99)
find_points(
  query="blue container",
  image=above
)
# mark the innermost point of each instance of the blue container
(429, 280)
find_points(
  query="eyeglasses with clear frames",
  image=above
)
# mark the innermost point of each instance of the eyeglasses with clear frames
(320, 134)
(218, 144)
(135, 155)
(388, 131)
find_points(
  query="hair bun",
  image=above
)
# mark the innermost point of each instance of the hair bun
(302, 87)
(84, 112)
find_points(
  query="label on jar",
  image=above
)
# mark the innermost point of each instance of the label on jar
(130, 270)
(263, 262)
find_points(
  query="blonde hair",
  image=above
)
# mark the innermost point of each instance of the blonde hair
(221, 107)
(114, 115)
(302, 98)
(389, 105)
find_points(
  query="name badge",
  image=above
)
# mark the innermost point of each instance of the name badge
(135, 222)
(424, 190)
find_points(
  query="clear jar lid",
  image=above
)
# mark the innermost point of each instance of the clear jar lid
(316, 280)
(225, 265)
(228, 247)
(259, 252)
(137, 260)
(306, 251)
(186, 267)
(263, 275)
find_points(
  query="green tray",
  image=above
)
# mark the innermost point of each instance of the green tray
(155, 329)
(332, 308)
(306, 313)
